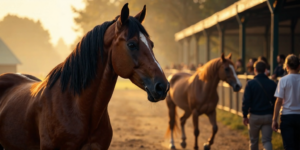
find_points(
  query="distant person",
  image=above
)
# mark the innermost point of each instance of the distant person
(192, 67)
(259, 101)
(250, 68)
(279, 71)
(200, 65)
(288, 102)
(265, 60)
(239, 67)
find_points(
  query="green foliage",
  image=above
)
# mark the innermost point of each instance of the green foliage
(163, 20)
(235, 122)
(30, 42)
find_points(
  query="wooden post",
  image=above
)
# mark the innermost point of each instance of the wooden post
(293, 26)
(274, 6)
(207, 43)
(221, 31)
(242, 39)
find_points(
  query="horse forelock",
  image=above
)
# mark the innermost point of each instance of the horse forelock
(80, 67)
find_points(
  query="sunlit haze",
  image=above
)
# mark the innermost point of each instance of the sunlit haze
(55, 15)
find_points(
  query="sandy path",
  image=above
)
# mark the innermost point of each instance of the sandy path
(139, 124)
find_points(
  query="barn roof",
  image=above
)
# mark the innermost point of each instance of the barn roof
(7, 57)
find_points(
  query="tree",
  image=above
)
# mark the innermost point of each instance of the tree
(30, 42)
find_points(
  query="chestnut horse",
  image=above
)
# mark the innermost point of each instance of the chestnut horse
(68, 110)
(197, 94)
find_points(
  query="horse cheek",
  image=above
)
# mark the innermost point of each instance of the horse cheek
(123, 64)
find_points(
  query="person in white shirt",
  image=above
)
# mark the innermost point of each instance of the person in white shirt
(288, 103)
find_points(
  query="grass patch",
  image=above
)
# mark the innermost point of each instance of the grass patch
(235, 122)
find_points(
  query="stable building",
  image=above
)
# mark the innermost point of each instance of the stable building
(8, 60)
(247, 29)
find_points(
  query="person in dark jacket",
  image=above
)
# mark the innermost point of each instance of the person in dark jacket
(259, 102)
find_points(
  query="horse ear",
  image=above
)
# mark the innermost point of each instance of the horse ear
(141, 15)
(223, 57)
(229, 56)
(123, 17)
(124, 14)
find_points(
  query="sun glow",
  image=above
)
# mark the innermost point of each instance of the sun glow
(55, 15)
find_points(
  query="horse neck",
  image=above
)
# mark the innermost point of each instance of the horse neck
(94, 100)
(211, 78)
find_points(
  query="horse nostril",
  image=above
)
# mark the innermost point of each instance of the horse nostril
(159, 88)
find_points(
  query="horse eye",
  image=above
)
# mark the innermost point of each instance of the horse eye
(131, 45)
(227, 69)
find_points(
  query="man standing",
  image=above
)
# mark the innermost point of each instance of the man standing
(259, 101)
(279, 71)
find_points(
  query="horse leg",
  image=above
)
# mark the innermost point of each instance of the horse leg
(183, 119)
(196, 127)
(213, 122)
(172, 121)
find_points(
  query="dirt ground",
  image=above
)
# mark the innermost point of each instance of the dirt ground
(140, 124)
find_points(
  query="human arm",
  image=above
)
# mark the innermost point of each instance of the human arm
(278, 105)
(246, 104)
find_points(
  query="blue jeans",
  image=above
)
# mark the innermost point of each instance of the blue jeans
(290, 131)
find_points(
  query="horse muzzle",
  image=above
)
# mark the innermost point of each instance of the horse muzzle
(157, 91)
(236, 87)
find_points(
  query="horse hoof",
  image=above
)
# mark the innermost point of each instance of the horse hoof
(172, 147)
(195, 148)
(183, 144)
(206, 147)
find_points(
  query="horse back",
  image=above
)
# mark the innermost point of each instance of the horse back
(10, 80)
(176, 77)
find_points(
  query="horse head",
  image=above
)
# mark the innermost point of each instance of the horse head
(133, 57)
(227, 73)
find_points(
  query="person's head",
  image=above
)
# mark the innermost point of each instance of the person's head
(252, 61)
(280, 59)
(238, 63)
(291, 63)
(264, 59)
(259, 67)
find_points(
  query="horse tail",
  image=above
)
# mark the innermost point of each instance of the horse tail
(173, 117)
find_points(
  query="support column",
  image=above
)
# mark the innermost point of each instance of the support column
(207, 44)
(197, 37)
(293, 26)
(180, 51)
(221, 31)
(187, 50)
(266, 43)
(274, 6)
(242, 39)
(274, 40)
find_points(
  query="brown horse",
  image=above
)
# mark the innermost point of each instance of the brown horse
(68, 110)
(197, 94)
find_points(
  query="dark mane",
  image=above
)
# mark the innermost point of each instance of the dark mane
(80, 67)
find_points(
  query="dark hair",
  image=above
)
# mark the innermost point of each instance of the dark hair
(253, 60)
(281, 56)
(292, 61)
(260, 66)
(265, 60)
(80, 67)
(240, 60)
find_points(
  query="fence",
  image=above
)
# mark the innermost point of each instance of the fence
(229, 100)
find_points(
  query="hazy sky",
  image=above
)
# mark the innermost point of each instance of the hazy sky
(55, 15)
